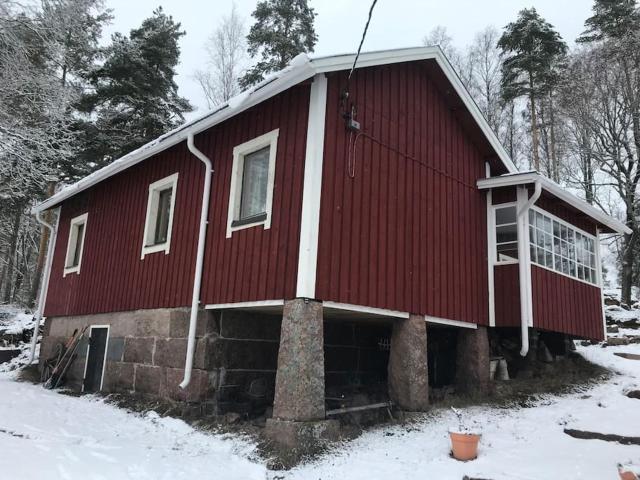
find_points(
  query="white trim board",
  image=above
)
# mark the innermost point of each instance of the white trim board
(301, 68)
(556, 190)
(383, 312)
(255, 304)
(452, 323)
(312, 190)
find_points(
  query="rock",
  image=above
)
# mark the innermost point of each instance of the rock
(616, 341)
(633, 394)
(232, 418)
(625, 306)
(613, 329)
(611, 301)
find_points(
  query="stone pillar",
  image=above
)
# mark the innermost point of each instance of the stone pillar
(298, 407)
(408, 374)
(472, 362)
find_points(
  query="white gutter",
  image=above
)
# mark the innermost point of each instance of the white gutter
(197, 280)
(53, 231)
(526, 307)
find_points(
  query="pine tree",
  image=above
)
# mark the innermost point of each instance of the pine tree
(135, 97)
(612, 19)
(613, 33)
(283, 29)
(534, 51)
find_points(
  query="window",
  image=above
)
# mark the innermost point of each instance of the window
(75, 244)
(252, 180)
(506, 234)
(558, 246)
(160, 207)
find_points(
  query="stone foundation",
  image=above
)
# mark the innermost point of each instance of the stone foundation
(472, 362)
(408, 372)
(146, 353)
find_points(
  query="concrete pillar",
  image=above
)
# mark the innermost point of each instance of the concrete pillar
(299, 393)
(408, 374)
(472, 362)
(298, 407)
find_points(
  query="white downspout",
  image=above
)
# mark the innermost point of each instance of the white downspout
(197, 280)
(53, 231)
(526, 309)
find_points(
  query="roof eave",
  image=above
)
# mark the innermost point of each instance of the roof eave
(556, 190)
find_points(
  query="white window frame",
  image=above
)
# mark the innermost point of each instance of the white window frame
(270, 140)
(152, 214)
(493, 227)
(75, 221)
(570, 226)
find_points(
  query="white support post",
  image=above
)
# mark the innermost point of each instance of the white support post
(310, 223)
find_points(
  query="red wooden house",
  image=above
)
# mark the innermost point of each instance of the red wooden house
(297, 242)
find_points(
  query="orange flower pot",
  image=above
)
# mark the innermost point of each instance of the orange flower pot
(464, 446)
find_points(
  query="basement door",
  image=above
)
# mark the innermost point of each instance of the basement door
(96, 358)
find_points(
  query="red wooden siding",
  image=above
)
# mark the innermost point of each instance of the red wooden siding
(562, 304)
(254, 264)
(506, 279)
(112, 276)
(408, 232)
(258, 264)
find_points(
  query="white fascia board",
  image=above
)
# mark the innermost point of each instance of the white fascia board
(311, 193)
(451, 323)
(256, 304)
(295, 74)
(556, 190)
(383, 312)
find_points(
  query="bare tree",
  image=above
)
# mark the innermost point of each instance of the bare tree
(226, 51)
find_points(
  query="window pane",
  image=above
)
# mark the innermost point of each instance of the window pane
(77, 247)
(507, 251)
(556, 228)
(548, 258)
(162, 218)
(505, 215)
(254, 184)
(506, 233)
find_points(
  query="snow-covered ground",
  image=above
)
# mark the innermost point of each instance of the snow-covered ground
(46, 434)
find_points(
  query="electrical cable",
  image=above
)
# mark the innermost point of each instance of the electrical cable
(364, 34)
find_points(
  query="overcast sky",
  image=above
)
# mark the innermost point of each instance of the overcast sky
(339, 24)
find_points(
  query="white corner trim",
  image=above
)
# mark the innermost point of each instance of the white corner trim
(312, 190)
(491, 252)
(600, 281)
(256, 304)
(75, 221)
(452, 323)
(383, 312)
(152, 210)
(269, 139)
(104, 361)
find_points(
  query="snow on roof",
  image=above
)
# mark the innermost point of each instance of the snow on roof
(301, 67)
(532, 176)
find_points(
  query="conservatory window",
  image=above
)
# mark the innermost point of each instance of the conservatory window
(558, 246)
(252, 180)
(75, 244)
(506, 234)
(159, 220)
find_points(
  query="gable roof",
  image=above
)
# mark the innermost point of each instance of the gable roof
(301, 68)
(524, 178)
